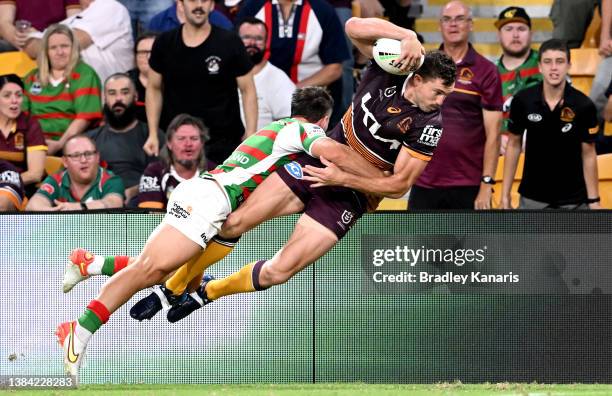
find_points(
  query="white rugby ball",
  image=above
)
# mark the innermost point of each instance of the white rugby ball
(386, 51)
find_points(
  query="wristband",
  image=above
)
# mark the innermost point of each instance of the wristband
(593, 200)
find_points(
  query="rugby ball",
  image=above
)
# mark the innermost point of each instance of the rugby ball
(386, 51)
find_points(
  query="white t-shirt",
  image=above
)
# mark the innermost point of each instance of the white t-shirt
(274, 89)
(108, 24)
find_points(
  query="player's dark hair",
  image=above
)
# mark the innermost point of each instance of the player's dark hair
(312, 103)
(554, 45)
(438, 65)
(184, 119)
(252, 21)
(10, 78)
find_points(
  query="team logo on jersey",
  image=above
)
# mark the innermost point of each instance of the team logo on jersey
(404, 124)
(465, 75)
(534, 117)
(567, 114)
(148, 184)
(19, 141)
(213, 64)
(295, 170)
(389, 91)
(36, 88)
(48, 188)
(313, 130)
(393, 110)
(347, 217)
(566, 127)
(430, 136)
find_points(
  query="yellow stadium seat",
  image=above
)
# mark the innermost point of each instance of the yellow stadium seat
(499, 177)
(608, 129)
(393, 204)
(53, 164)
(604, 168)
(584, 67)
(16, 62)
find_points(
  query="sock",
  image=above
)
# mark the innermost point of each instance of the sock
(215, 251)
(244, 281)
(112, 265)
(95, 268)
(92, 319)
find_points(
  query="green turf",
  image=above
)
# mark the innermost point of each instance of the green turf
(330, 389)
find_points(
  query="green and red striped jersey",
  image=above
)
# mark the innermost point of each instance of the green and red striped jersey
(271, 147)
(55, 107)
(513, 81)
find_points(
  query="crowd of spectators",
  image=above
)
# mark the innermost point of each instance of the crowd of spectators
(137, 95)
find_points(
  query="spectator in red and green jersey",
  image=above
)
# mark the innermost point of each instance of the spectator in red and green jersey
(63, 92)
(518, 66)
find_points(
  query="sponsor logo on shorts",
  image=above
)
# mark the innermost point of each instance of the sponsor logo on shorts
(534, 117)
(204, 238)
(295, 170)
(177, 211)
(347, 217)
(430, 136)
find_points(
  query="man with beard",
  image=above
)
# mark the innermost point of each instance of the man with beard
(274, 87)
(82, 185)
(518, 66)
(198, 69)
(182, 158)
(122, 137)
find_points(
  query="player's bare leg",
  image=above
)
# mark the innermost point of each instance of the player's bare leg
(166, 250)
(273, 198)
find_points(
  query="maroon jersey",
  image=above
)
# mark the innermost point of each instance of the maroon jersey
(381, 121)
(458, 160)
(156, 184)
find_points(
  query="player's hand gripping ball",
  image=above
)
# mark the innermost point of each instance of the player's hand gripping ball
(386, 52)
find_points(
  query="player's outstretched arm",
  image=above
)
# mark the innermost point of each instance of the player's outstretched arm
(407, 169)
(345, 158)
(363, 32)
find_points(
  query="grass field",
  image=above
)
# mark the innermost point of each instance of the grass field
(445, 389)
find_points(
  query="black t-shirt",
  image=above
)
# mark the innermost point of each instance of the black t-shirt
(609, 90)
(201, 81)
(553, 152)
(123, 152)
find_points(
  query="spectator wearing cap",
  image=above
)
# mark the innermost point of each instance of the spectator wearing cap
(460, 175)
(518, 66)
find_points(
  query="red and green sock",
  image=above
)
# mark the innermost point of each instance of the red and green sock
(93, 318)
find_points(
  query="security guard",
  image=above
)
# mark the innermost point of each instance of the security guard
(561, 123)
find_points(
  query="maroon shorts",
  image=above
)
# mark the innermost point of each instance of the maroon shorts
(336, 208)
(11, 184)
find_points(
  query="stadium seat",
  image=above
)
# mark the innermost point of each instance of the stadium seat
(584, 67)
(16, 62)
(53, 164)
(604, 168)
(393, 204)
(499, 177)
(608, 129)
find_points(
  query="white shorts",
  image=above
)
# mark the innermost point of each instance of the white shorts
(197, 208)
